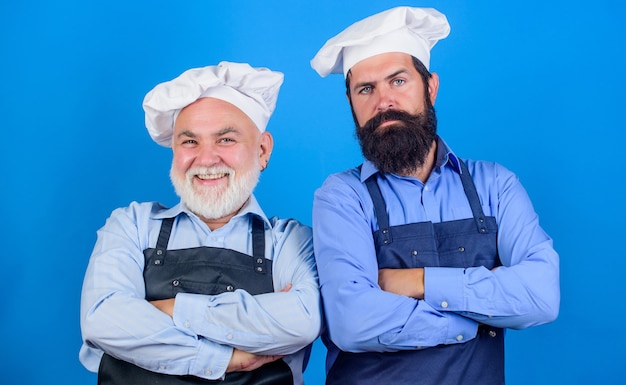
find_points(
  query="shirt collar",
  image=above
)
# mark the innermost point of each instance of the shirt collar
(445, 156)
(251, 207)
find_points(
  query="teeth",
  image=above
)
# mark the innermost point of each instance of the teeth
(211, 176)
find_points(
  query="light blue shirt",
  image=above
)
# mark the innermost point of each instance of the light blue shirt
(361, 317)
(200, 337)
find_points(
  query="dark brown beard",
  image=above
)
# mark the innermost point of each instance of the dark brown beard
(400, 148)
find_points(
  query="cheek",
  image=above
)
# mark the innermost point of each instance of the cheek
(412, 102)
(181, 161)
(233, 157)
(245, 160)
(362, 112)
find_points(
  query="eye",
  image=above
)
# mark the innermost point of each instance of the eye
(398, 82)
(226, 140)
(365, 90)
(189, 142)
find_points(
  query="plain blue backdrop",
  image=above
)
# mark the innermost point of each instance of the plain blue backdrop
(537, 86)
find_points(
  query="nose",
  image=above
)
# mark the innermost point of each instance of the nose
(385, 99)
(207, 156)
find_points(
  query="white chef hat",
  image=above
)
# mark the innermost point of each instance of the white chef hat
(253, 90)
(402, 29)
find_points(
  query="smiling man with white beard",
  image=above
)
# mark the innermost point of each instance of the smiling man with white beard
(214, 178)
(210, 289)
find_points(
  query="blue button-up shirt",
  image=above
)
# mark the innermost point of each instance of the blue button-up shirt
(200, 337)
(361, 317)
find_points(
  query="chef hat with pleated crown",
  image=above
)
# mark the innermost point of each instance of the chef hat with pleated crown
(402, 29)
(253, 90)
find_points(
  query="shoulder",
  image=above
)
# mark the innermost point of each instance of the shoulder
(140, 210)
(291, 239)
(135, 223)
(487, 170)
(494, 180)
(346, 183)
(284, 227)
(138, 215)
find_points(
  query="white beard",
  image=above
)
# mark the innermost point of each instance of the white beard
(214, 203)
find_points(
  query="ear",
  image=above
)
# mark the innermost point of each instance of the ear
(433, 87)
(266, 145)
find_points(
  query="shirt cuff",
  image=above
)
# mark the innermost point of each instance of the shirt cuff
(211, 361)
(188, 314)
(443, 288)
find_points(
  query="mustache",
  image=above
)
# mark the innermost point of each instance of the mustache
(385, 116)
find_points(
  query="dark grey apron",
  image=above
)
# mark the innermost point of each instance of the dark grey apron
(459, 243)
(201, 270)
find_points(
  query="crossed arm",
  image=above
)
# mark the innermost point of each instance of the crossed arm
(240, 361)
(433, 305)
(207, 335)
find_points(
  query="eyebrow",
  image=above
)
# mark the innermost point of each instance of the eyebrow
(186, 133)
(227, 130)
(223, 131)
(388, 77)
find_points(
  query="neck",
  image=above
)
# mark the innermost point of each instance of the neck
(216, 223)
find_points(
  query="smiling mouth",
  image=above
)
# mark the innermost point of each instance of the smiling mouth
(211, 176)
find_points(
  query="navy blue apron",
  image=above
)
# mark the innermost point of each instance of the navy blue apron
(459, 243)
(201, 270)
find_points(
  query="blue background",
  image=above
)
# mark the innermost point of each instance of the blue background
(535, 85)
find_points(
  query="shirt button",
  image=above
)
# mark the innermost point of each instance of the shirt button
(492, 333)
(229, 336)
(208, 372)
(444, 304)
(187, 324)
(459, 337)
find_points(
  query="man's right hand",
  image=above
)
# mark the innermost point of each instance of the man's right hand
(244, 362)
(407, 282)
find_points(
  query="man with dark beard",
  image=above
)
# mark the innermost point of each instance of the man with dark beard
(210, 289)
(424, 258)
(402, 148)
